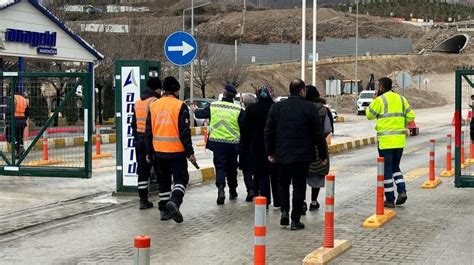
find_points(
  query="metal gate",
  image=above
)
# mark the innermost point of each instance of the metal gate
(55, 140)
(464, 108)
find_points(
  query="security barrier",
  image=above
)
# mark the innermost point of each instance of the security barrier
(60, 108)
(432, 181)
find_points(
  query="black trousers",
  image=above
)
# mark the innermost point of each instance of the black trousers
(143, 169)
(249, 180)
(172, 180)
(296, 173)
(225, 162)
(275, 184)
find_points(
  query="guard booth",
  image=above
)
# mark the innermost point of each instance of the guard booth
(464, 170)
(57, 139)
(130, 79)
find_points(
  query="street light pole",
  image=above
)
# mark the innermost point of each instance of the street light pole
(315, 22)
(303, 38)
(357, 48)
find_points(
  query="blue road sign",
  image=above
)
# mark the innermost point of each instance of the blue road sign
(180, 48)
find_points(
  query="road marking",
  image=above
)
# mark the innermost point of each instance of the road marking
(416, 174)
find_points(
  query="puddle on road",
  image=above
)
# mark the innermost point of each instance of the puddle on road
(109, 199)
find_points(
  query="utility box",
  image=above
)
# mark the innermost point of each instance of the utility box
(130, 79)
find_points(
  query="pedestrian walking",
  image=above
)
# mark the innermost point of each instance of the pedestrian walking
(292, 131)
(224, 139)
(169, 144)
(317, 170)
(21, 114)
(255, 120)
(245, 154)
(393, 113)
(140, 112)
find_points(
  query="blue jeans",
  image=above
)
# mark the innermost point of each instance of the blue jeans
(392, 172)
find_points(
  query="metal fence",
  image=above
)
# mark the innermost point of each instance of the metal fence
(330, 47)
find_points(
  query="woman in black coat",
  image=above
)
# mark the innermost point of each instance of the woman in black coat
(254, 122)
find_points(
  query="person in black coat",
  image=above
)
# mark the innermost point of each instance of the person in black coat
(254, 123)
(292, 131)
(245, 163)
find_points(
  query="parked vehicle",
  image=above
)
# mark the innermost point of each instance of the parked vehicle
(363, 101)
(237, 98)
(278, 99)
(201, 103)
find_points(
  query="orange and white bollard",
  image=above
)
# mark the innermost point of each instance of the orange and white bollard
(432, 181)
(381, 215)
(45, 146)
(464, 163)
(142, 250)
(329, 215)
(449, 172)
(260, 231)
(97, 140)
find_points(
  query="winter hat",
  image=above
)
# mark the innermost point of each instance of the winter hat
(154, 83)
(265, 92)
(231, 89)
(171, 84)
(311, 92)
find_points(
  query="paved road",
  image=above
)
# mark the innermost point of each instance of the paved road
(434, 227)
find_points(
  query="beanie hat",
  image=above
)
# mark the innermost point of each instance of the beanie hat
(231, 89)
(312, 92)
(171, 84)
(154, 83)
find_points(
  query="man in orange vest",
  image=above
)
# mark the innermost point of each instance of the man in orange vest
(21, 115)
(149, 95)
(168, 141)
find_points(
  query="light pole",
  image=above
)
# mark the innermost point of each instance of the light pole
(357, 48)
(315, 22)
(191, 89)
(303, 38)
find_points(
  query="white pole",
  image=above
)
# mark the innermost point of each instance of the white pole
(303, 38)
(192, 62)
(235, 52)
(357, 48)
(181, 73)
(315, 22)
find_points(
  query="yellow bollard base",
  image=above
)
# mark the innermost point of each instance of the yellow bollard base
(431, 184)
(324, 255)
(464, 165)
(377, 221)
(201, 144)
(470, 161)
(447, 173)
(103, 155)
(43, 163)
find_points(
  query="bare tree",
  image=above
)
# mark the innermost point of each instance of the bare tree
(206, 66)
(234, 74)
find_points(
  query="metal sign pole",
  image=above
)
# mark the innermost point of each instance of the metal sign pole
(181, 83)
(191, 82)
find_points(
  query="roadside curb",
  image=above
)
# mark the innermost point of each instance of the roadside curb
(349, 145)
(202, 175)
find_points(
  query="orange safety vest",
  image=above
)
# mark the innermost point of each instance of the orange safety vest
(141, 112)
(20, 106)
(164, 123)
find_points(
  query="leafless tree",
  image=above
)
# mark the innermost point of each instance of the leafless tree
(230, 73)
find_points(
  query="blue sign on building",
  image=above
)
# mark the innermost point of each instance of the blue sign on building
(43, 41)
(180, 48)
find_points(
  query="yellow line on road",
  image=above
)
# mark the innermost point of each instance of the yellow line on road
(416, 174)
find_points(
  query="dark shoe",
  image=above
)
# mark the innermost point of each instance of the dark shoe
(165, 215)
(402, 198)
(145, 204)
(305, 208)
(220, 196)
(314, 207)
(174, 211)
(233, 194)
(388, 204)
(296, 226)
(285, 219)
(250, 196)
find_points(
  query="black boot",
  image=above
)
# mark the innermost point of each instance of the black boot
(233, 194)
(145, 204)
(165, 215)
(305, 208)
(296, 225)
(174, 211)
(285, 218)
(388, 204)
(402, 198)
(250, 195)
(220, 195)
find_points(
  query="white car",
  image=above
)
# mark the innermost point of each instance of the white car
(363, 101)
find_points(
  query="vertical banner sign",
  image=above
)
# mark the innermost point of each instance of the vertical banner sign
(130, 94)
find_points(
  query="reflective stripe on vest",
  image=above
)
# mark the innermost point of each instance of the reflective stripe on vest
(141, 112)
(164, 122)
(20, 106)
(224, 123)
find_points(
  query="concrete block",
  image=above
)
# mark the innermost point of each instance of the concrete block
(431, 184)
(377, 221)
(324, 255)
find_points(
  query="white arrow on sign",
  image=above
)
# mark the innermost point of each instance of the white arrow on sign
(185, 48)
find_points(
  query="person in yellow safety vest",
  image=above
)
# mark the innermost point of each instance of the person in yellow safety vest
(169, 144)
(22, 112)
(140, 112)
(225, 122)
(393, 113)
